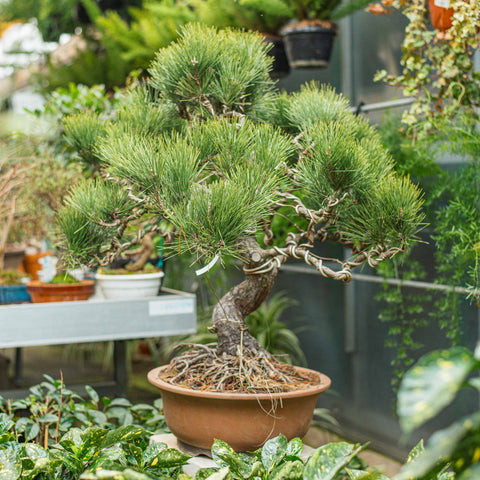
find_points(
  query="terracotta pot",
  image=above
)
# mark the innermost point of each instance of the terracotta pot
(64, 292)
(309, 44)
(245, 421)
(441, 16)
(31, 263)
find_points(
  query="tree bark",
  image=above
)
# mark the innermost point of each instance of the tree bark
(229, 313)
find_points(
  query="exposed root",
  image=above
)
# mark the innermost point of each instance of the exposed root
(201, 368)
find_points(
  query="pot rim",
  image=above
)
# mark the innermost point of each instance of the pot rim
(129, 276)
(303, 27)
(324, 384)
(39, 283)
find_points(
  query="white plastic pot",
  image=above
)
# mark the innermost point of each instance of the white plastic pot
(130, 286)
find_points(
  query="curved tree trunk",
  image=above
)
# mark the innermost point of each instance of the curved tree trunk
(229, 313)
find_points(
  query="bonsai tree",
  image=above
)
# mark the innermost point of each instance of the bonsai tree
(213, 164)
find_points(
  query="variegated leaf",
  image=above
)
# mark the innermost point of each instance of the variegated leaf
(288, 471)
(431, 385)
(152, 451)
(10, 464)
(327, 461)
(127, 433)
(294, 447)
(273, 452)
(222, 474)
(169, 457)
(240, 465)
(363, 475)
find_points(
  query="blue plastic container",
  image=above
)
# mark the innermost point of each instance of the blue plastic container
(14, 294)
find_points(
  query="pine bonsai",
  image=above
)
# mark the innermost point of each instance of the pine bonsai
(209, 156)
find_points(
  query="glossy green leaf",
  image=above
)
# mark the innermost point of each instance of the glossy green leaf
(184, 476)
(431, 385)
(363, 475)
(48, 418)
(126, 433)
(6, 423)
(204, 473)
(325, 462)
(93, 437)
(31, 431)
(109, 456)
(169, 457)
(221, 474)
(120, 402)
(440, 449)
(287, 471)
(134, 455)
(415, 452)
(98, 417)
(74, 435)
(127, 474)
(6, 437)
(152, 451)
(239, 464)
(39, 458)
(69, 461)
(447, 476)
(294, 447)
(10, 464)
(471, 473)
(92, 394)
(273, 452)
(34, 451)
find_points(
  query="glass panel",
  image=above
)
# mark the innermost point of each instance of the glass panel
(376, 45)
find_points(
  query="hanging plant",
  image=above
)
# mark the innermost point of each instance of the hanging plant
(438, 69)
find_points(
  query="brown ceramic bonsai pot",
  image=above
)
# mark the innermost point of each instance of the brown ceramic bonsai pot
(245, 421)
(42, 292)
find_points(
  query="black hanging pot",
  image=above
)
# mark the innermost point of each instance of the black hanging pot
(309, 44)
(280, 66)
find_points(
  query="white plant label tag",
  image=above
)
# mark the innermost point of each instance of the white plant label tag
(206, 268)
(442, 3)
(158, 308)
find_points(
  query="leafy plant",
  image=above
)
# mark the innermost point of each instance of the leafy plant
(56, 434)
(438, 67)
(52, 410)
(305, 9)
(426, 389)
(149, 28)
(280, 458)
(13, 173)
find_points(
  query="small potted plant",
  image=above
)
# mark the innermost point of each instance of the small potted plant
(13, 174)
(310, 36)
(438, 67)
(265, 17)
(61, 288)
(218, 170)
(138, 276)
